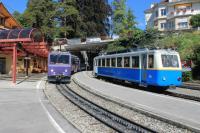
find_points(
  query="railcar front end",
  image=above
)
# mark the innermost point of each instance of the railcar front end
(59, 67)
(166, 72)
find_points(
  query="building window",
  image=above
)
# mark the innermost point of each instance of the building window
(156, 13)
(170, 25)
(188, 7)
(162, 25)
(2, 21)
(183, 25)
(163, 12)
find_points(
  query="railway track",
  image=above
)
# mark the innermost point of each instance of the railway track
(191, 85)
(105, 116)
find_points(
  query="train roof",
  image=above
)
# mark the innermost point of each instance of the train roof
(139, 51)
(59, 52)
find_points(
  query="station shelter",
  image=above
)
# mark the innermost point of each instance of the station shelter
(22, 50)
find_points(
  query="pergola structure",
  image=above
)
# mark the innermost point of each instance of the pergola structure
(21, 42)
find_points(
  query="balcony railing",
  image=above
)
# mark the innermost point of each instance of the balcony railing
(180, 13)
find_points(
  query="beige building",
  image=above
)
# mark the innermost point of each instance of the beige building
(172, 15)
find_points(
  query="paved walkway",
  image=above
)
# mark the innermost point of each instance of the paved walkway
(24, 109)
(176, 109)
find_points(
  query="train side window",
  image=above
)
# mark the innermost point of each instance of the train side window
(126, 61)
(119, 62)
(113, 63)
(99, 63)
(135, 61)
(108, 62)
(96, 62)
(103, 62)
(151, 61)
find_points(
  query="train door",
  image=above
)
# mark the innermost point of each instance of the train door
(144, 68)
(95, 64)
(2, 65)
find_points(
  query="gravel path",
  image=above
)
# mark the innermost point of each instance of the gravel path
(133, 115)
(80, 119)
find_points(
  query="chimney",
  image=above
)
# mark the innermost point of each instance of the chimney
(152, 5)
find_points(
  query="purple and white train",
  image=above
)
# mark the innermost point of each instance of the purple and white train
(61, 65)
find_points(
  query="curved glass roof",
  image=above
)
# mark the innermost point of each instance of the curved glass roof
(34, 34)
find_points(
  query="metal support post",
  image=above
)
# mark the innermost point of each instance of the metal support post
(14, 64)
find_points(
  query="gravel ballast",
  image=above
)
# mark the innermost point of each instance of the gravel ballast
(79, 118)
(128, 113)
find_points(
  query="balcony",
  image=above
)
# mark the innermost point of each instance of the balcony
(178, 13)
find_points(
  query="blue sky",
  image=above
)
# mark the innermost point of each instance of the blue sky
(138, 7)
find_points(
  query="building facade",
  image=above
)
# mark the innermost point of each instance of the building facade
(6, 22)
(172, 15)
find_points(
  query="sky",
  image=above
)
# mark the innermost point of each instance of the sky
(138, 7)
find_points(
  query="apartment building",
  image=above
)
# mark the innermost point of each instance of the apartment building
(172, 15)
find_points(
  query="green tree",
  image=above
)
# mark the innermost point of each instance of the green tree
(68, 18)
(130, 24)
(195, 21)
(94, 17)
(40, 14)
(119, 16)
(21, 19)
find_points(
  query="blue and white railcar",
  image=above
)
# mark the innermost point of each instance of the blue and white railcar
(160, 67)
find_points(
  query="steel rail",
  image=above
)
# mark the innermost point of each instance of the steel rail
(110, 119)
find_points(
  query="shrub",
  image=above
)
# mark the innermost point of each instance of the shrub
(187, 76)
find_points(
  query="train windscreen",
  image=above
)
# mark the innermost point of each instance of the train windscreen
(59, 59)
(170, 61)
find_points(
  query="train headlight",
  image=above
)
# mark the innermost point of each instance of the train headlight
(66, 70)
(163, 78)
(52, 70)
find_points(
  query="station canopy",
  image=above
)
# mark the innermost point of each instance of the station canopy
(32, 34)
(31, 40)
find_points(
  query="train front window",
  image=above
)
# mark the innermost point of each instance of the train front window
(170, 61)
(59, 59)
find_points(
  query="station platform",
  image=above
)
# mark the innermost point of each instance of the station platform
(25, 109)
(184, 112)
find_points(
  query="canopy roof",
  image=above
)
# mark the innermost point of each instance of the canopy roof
(34, 35)
(31, 41)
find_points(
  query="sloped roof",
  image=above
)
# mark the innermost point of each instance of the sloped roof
(10, 20)
(156, 4)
